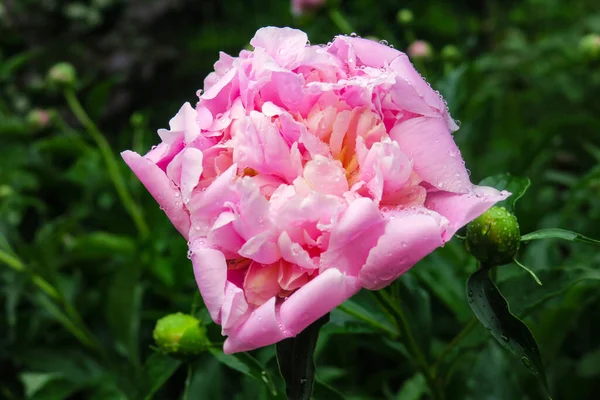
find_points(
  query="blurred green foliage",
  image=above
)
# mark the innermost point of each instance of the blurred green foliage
(82, 286)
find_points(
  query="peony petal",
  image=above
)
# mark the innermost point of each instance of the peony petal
(159, 186)
(436, 158)
(285, 45)
(353, 237)
(262, 328)
(294, 253)
(460, 209)
(409, 236)
(261, 283)
(210, 270)
(315, 299)
(326, 176)
(234, 307)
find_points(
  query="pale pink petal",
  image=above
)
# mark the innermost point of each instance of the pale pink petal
(234, 307)
(261, 248)
(435, 156)
(261, 283)
(184, 121)
(315, 299)
(353, 237)
(409, 236)
(460, 209)
(223, 234)
(159, 186)
(294, 253)
(262, 328)
(210, 270)
(283, 44)
(326, 176)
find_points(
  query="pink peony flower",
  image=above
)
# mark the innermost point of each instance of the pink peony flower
(304, 174)
(300, 7)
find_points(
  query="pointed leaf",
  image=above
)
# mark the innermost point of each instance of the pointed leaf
(247, 365)
(296, 361)
(157, 371)
(492, 310)
(556, 233)
(515, 184)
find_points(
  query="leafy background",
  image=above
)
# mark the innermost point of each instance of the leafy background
(80, 291)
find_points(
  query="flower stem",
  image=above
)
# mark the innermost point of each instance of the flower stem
(340, 21)
(109, 158)
(453, 343)
(419, 358)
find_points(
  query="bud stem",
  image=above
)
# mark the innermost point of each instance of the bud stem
(528, 270)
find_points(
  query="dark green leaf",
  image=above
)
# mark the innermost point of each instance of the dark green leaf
(247, 365)
(556, 233)
(491, 308)
(157, 371)
(526, 294)
(515, 184)
(413, 389)
(296, 361)
(323, 391)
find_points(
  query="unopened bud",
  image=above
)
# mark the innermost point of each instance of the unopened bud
(494, 237)
(405, 16)
(62, 75)
(590, 45)
(180, 335)
(419, 49)
(450, 53)
(38, 119)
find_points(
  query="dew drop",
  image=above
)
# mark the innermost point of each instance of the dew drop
(470, 293)
(384, 42)
(353, 34)
(503, 337)
(526, 362)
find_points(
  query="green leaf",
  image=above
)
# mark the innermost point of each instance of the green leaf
(247, 365)
(514, 184)
(157, 371)
(526, 294)
(323, 391)
(101, 245)
(123, 309)
(589, 366)
(296, 361)
(33, 382)
(492, 310)
(556, 233)
(413, 389)
(417, 307)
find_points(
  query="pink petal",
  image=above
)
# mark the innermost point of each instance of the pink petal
(184, 121)
(353, 237)
(408, 237)
(460, 209)
(291, 276)
(261, 283)
(159, 186)
(261, 248)
(210, 270)
(294, 253)
(436, 158)
(315, 299)
(234, 307)
(262, 328)
(326, 176)
(285, 45)
(223, 234)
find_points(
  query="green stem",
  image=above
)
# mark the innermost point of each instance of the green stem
(73, 321)
(40, 282)
(340, 21)
(377, 325)
(453, 343)
(411, 343)
(109, 158)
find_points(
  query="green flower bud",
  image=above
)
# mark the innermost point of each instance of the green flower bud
(62, 75)
(38, 119)
(450, 53)
(180, 335)
(590, 45)
(494, 237)
(405, 16)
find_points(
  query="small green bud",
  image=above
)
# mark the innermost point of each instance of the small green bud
(62, 75)
(494, 237)
(590, 45)
(38, 119)
(450, 53)
(180, 335)
(405, 16)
